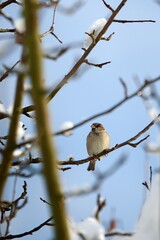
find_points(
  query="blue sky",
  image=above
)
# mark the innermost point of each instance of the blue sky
(134, 53)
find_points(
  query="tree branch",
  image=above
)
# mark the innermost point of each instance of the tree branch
(100, 65)
(6, 3)
(28, 232)
(104, 152)
(42, 121)
(101, 203)
(111, 234)
(134, 21)
(81, 60)
(108, 6)
(8, 71)
(124, 87)
(125, 99)
(11, 141)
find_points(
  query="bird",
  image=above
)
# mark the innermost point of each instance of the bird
(97, 141)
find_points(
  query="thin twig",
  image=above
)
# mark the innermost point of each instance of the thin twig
(99, 65)
(30, 232)
(101, 203)
(91, 35)
(146, 185)
(64, 169)
(108, 6)
(8, 71)
(134, 145)
(119, 234)
(108, 38)
(134, 21)
(7, 30)
(150, 176)
(51, 30)
(44, 201)
(6, 3)
(124, 85)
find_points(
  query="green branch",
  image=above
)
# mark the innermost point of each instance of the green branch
(42, 117)
(11, 142)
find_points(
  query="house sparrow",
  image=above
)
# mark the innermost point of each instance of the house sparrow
(97, 140)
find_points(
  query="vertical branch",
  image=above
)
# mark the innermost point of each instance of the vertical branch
(11, 142)
(43, 126)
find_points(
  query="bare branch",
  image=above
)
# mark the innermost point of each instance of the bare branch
(101, 203)
(134, 145)
(24, 193)
(6, 30)
(56, 52)
(99, 65)
(6, 3)
(108, 6)
(124, 85)
(11, 141)
(78, 64)
(64, 169)
(55, 56)
(150, 177)
(125, 99)
(146, 185)
(134, 21)
(138, 92)
(8, 71)
(13, 207)
(2, 116)
(127, 142)
(119, 234)
(27, 162)
(86, 53)
(91, 35)
(30, 232)
(44, 201)
(51, 30)
(108, 38)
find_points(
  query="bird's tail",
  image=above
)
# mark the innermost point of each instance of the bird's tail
(91, 166)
